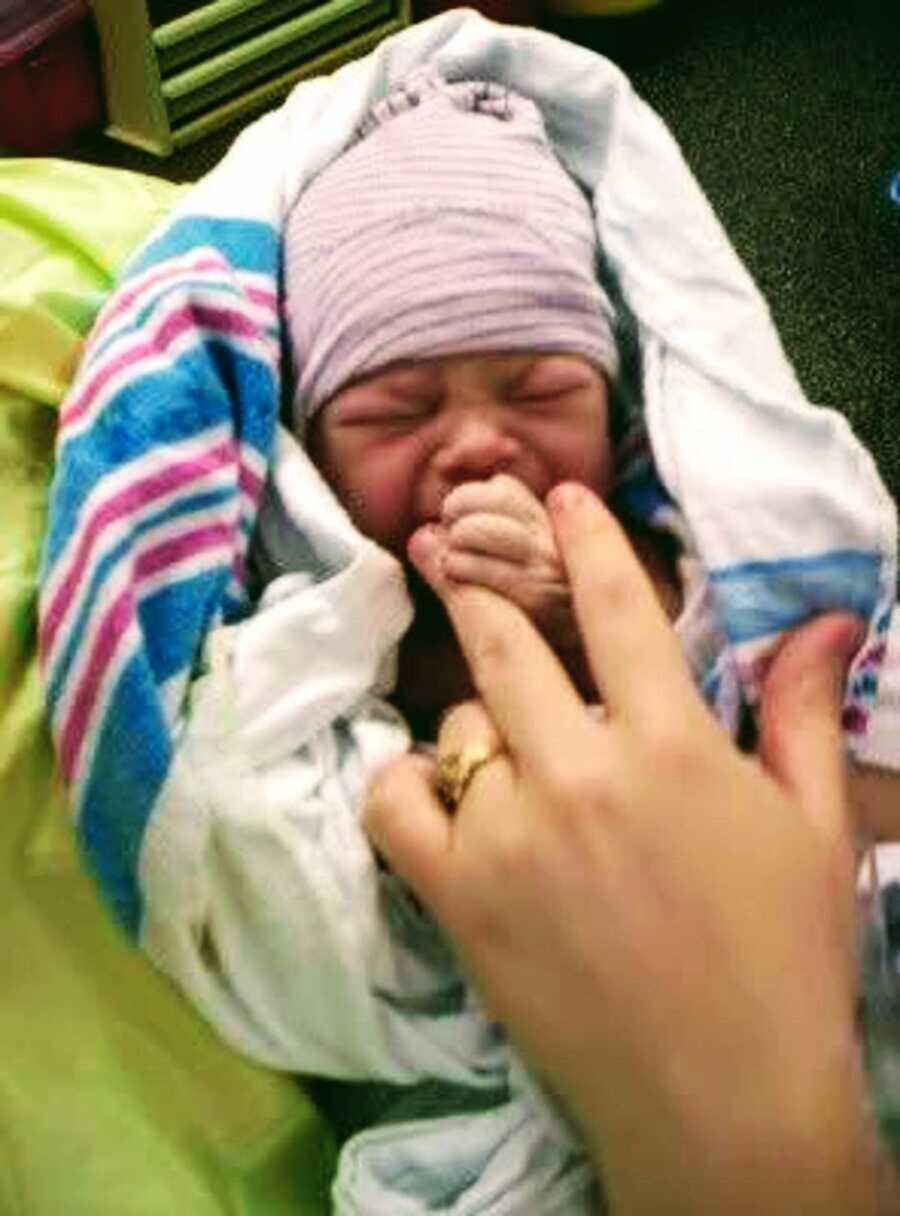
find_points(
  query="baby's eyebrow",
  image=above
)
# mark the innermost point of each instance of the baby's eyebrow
(414, 378)
(550, 364)
(523, 374)
(410, 378)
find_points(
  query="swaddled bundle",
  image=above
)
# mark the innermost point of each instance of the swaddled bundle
(217, 748)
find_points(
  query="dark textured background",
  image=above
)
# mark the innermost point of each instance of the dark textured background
(788, 112)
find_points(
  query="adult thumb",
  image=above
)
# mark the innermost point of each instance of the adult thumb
(801, 743)
(407, 825)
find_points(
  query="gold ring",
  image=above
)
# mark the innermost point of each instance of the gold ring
(456, 770)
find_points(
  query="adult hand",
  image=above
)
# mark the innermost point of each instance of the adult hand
(666, 929)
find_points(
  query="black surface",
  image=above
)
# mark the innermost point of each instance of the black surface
(789, 115)
(788, 112)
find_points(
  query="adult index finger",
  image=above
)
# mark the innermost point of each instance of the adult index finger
(633, 651)
(522, 683)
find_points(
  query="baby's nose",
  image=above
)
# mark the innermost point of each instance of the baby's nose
(476, 446)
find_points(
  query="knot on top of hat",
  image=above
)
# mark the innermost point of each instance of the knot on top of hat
(426, 85)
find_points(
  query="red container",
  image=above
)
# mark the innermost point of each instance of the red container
(49, 85)
(509, 12)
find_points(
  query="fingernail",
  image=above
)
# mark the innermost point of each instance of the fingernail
(568, 496)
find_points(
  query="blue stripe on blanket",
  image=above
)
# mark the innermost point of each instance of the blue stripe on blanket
(757, 599)
(183, 610)
(249, 245)
(130, 764)
(174, 655)
(147, 413)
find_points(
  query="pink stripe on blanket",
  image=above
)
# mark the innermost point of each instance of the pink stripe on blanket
(259, 295)
(250, 482)
(154, 277)
(198, 318)
(131, 499)
(118, 618)
(182, 548)
(116, 622)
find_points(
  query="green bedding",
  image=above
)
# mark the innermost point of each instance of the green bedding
(114, 1096)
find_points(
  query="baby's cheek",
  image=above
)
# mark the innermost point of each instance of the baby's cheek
(388, 516)
(378, 494)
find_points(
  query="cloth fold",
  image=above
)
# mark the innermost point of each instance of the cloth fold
(217, 811)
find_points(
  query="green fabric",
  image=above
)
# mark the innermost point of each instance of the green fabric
(114, 1095)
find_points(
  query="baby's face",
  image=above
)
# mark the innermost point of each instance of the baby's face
(395, 443)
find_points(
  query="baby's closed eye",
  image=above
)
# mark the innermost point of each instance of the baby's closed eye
(384, 413)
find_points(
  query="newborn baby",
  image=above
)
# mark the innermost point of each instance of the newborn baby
(455, 356)
(458, 453)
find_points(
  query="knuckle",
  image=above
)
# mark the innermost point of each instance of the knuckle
(457, 546)
(455, 528)
(458, 564)
(608, 588)
(674, 747)
(487, 574)
(448, 506)
(479, 533)
(489, 532)
(464, 723)
(505, 482)
(380, 796)
(539, 528)
(459, 500)
(511, 493)
(460, 525)
(494, 648)
(527, 594)
(514, 856)
(569, 779)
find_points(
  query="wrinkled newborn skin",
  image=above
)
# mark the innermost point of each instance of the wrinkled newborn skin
(459, 452)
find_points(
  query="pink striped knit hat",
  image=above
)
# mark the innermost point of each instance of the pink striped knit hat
(448, 226)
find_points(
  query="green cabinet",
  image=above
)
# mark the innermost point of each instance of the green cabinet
(175, 70)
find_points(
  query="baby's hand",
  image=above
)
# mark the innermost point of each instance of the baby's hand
(496, 533)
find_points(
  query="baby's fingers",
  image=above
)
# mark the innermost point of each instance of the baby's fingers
(496, 573)
(492, 536)
(501, 493)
